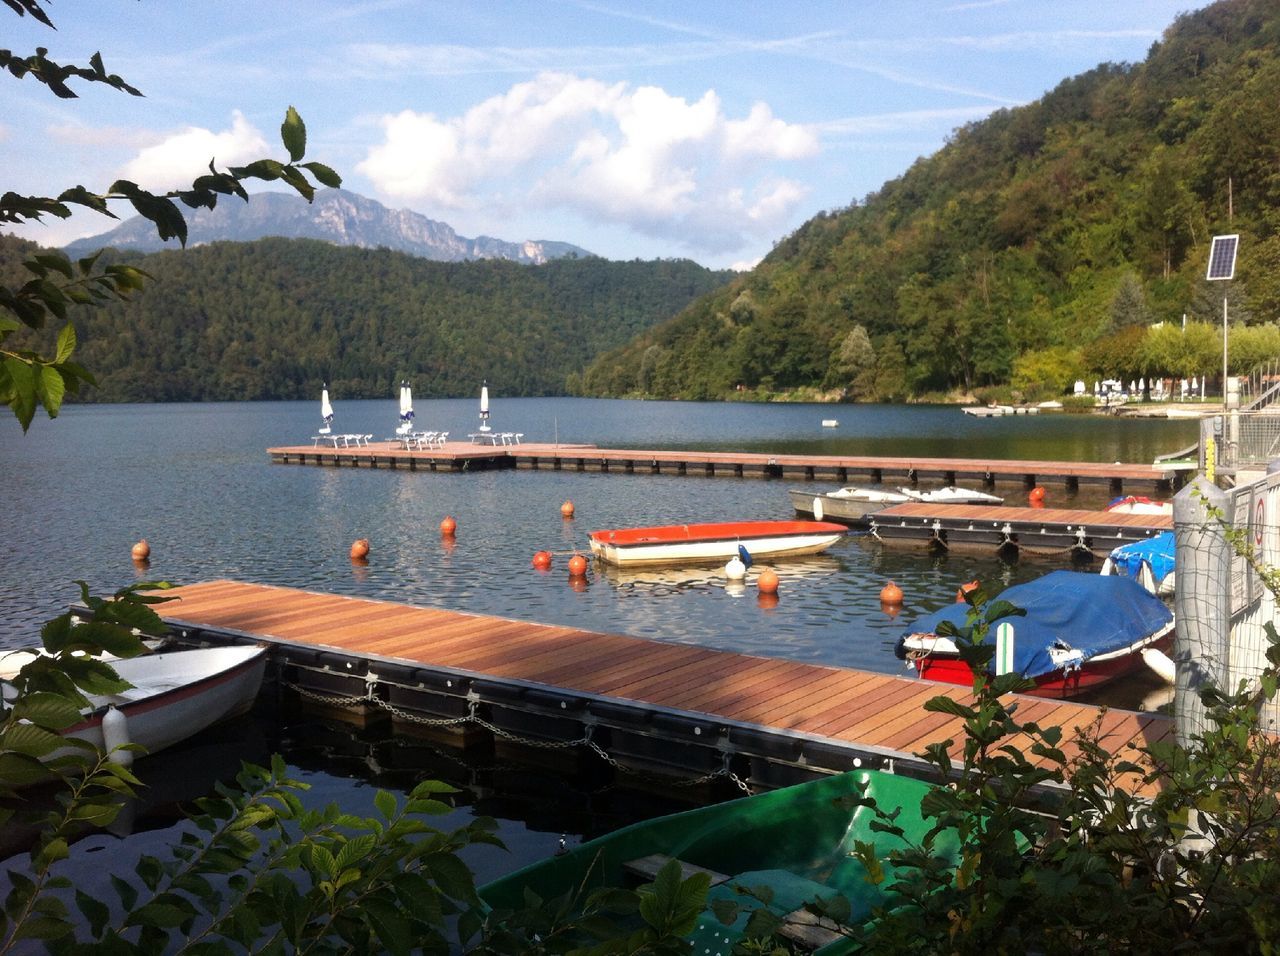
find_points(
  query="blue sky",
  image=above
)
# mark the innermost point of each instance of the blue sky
(704, 130)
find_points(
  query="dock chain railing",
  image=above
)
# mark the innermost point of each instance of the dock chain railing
(472, 717)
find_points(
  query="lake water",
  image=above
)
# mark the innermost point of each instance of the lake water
(196, 482)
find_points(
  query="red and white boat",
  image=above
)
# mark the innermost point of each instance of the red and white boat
(1078, 632)
(713, 542)
(1140, 505)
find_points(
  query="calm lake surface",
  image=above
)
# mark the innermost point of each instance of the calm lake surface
(196, 482)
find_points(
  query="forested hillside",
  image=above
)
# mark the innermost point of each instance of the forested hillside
(1040, 245)
(276, 317)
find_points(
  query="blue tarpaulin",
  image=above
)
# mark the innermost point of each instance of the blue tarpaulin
(1157, 552)
(1089, 613)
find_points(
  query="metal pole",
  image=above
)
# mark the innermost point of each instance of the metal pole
(1224, 354)
(1202, 603)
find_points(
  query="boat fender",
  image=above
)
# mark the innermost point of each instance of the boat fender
(735, 570)
(1159, 662)
(115, 735)
(744, 555)
(817, 508)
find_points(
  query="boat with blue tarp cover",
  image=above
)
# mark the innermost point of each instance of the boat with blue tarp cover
(1079, 631)
(799, 842)
(1148, 562)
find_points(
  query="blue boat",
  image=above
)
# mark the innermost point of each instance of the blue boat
(1080, 631)
(1148, 562)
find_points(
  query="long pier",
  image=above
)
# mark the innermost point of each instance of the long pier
(656, 707)
(463, 456)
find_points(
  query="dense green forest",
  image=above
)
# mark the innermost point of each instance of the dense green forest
(1039, 246)
(272, 319)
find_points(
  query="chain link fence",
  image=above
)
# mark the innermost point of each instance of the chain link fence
(1223, 604)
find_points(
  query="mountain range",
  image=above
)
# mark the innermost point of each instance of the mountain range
(336, 216)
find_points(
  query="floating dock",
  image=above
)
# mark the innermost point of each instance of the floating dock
(1047, 531)
(463, 456)
(671, 709)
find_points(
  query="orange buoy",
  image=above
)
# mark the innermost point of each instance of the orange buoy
(891, 594)
(566, 509)
(965, 589)
(1036, 494)
(360, 548)
(141, 550)
(448, 525)
(542, 560)
(577, 566)
(767, 581)
(767, 599)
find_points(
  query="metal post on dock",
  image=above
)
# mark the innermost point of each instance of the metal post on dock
(1202, 603)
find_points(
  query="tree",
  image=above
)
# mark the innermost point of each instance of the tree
(853, 364)
(1129, 304)
(28, 378)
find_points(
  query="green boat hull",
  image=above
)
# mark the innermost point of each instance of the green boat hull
(798, 841)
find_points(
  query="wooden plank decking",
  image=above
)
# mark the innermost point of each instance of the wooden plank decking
(806, 702)
(531, 455)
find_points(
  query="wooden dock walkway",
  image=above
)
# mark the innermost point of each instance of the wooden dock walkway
(676, 708)
(461, 456)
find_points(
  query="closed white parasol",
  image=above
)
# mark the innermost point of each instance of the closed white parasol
(326, 410)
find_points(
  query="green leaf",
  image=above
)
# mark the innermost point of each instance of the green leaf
(51, 388)
(389, 925)
(19, 770)
(31, 739)
(47, 710)
(293, 133)
(66, 343)
(385, 803)
(127, 892)
(23, 390)
(93, 910)
(42, 927)
(323, 174)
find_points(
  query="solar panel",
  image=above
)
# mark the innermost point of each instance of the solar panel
(1222, 257)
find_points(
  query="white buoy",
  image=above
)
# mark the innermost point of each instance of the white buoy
(115, 733)
(818, 511)
(1161, 663)
(735, 570)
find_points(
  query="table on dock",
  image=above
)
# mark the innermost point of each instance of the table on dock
(654, 703)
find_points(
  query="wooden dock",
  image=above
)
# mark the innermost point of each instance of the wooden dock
(462, 456)
(1049, 531)
(671, 708)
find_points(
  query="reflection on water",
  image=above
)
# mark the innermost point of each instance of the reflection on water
(196, 482)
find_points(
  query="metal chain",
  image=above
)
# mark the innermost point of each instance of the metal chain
(333, 700)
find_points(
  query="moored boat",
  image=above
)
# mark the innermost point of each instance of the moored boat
(800, 842)
(175, 695)
(711, 542)
(850, 504)
(1149, 562)
(1139, 505)
(1079, 632)
(951, 495)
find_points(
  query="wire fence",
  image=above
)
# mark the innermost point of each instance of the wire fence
(1223, 605)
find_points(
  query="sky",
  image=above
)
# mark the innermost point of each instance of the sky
(700, 129)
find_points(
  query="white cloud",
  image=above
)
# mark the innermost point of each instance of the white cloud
(610, 153)
(180, 157)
